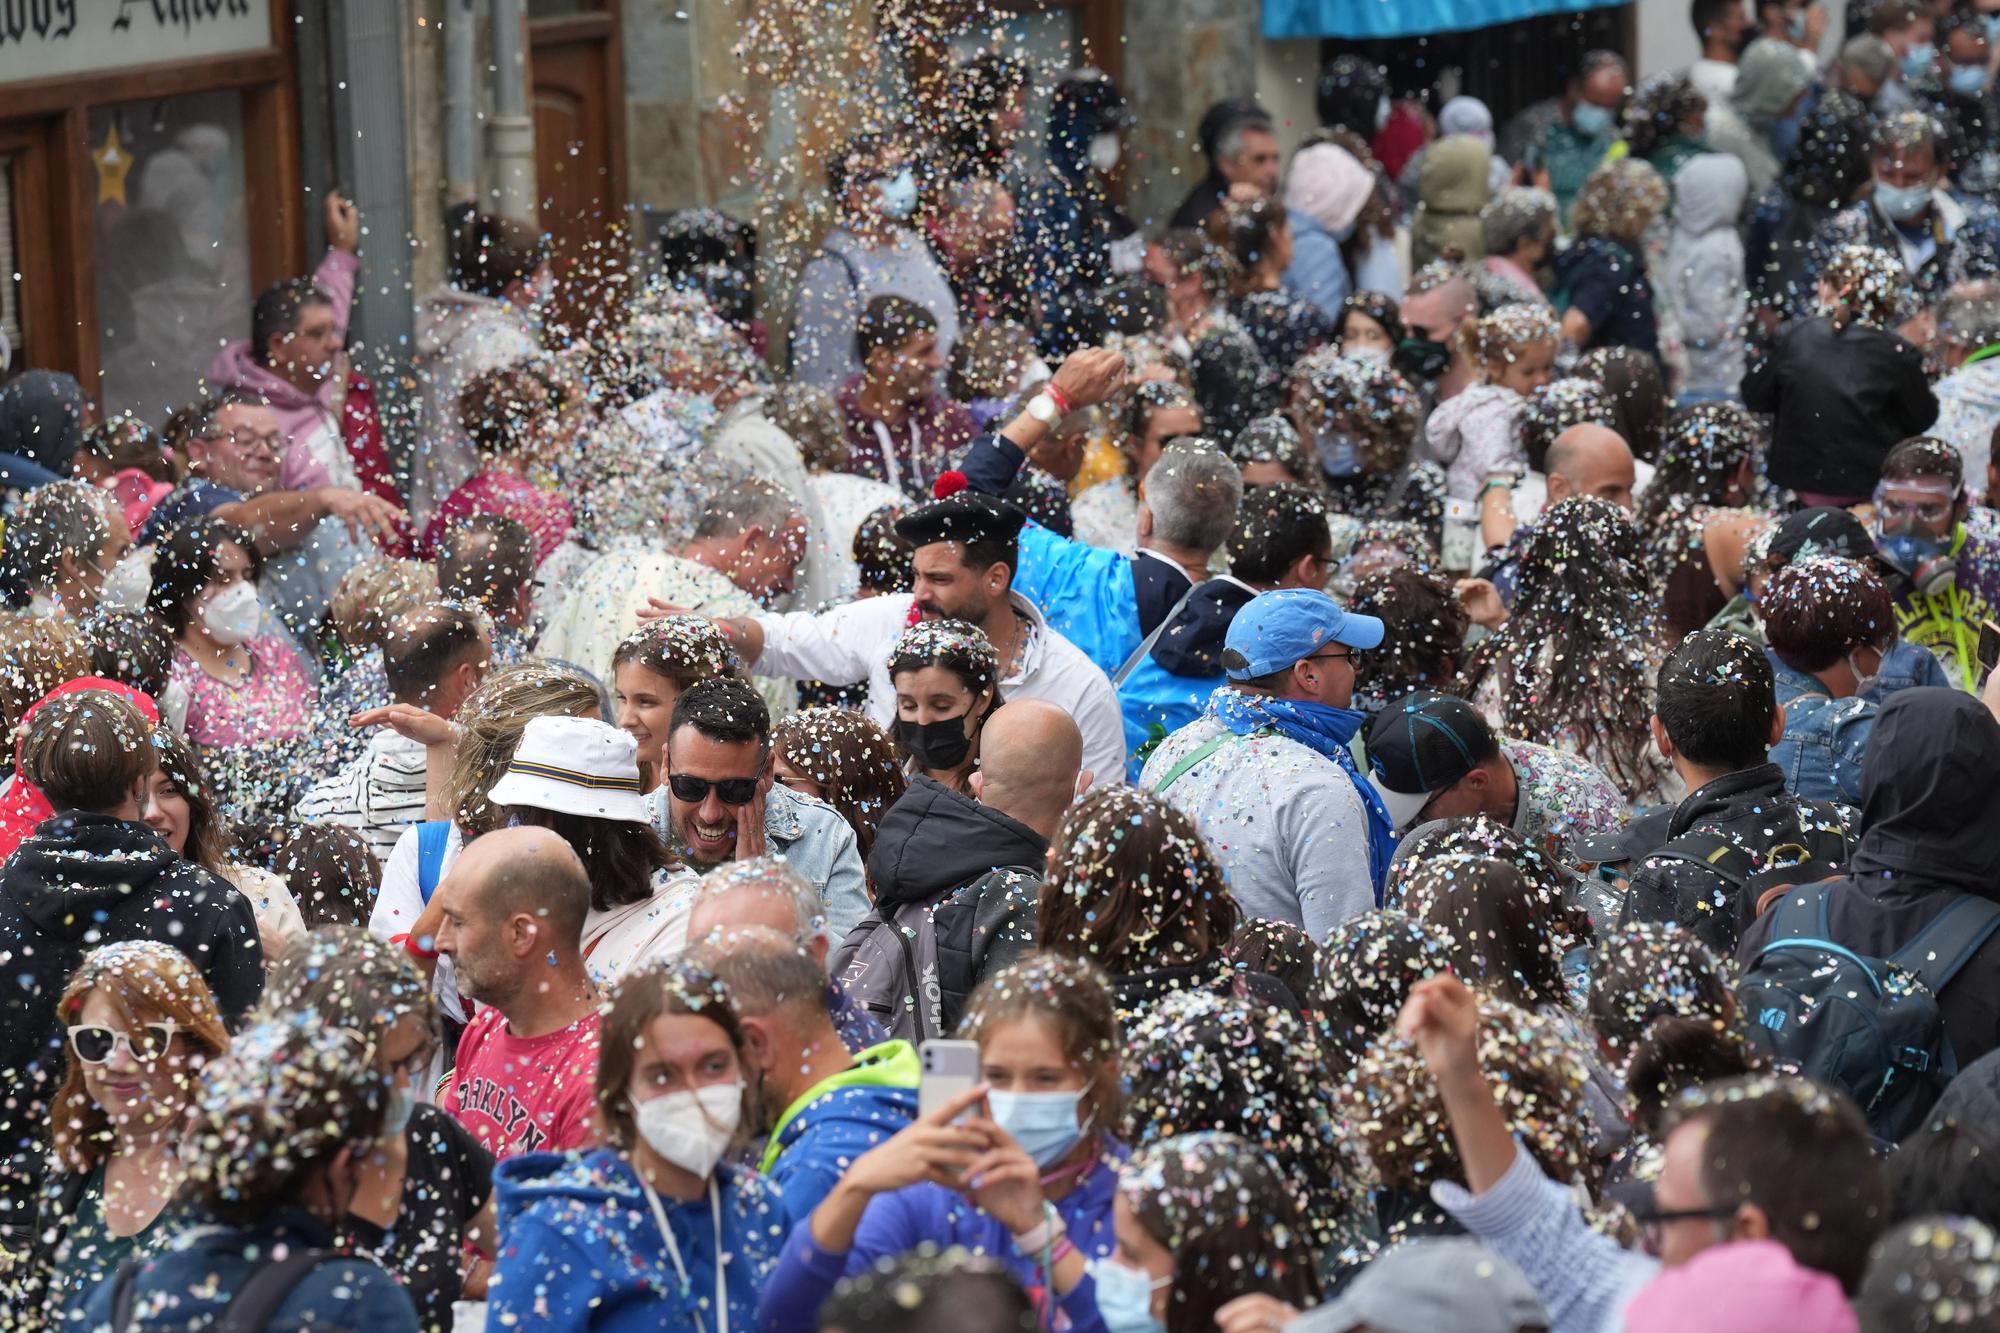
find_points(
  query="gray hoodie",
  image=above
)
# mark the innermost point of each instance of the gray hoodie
(1704, 271)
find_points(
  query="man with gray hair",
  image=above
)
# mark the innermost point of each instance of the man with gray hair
(1156, 625)
(821, 1105)
(1968, 396)
(1519, 230)
(764, 891)
(749, 541)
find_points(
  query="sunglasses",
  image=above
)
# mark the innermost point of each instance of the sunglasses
(94, 1045)
(693, 790)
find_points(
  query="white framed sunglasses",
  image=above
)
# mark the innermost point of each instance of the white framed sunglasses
(94, 1044)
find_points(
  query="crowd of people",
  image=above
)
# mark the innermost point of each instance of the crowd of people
(1411, 749)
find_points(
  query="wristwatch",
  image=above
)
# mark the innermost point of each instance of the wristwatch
(1043, 409)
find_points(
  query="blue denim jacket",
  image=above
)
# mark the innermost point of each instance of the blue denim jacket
(1824, 738)
(1906, 665)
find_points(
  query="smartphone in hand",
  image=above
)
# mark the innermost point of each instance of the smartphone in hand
(948, 1069)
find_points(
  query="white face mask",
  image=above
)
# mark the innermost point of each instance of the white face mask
(127, 583)
(233, 615)
(692, 1129)
(1104, 151)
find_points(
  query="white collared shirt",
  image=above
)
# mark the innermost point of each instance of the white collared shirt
(850, 643)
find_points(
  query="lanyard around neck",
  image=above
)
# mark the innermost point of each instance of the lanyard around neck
(674, 1252)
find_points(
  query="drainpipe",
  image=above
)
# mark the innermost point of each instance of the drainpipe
(511, 134)
(461, 44)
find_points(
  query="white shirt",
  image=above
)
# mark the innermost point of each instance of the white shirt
(1713, 79)
(377, 796)
(654, 929)
(852, 643)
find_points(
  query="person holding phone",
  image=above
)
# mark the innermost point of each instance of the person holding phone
(1022, 1166)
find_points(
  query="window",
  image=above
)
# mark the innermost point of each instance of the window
(173, 246)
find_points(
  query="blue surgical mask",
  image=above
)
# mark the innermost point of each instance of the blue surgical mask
(1043, 1123)
(1795, 26)
(1968, 79)
(897, 194)
(1900, 203)
(397, 1111)
(1125, 1296)
(1590, 120)
(1339, 454)
(1918, 62)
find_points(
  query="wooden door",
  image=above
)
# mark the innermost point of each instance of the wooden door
(577, 98)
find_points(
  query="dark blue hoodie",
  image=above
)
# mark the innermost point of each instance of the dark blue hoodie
(580, 1248)
(819, 1135)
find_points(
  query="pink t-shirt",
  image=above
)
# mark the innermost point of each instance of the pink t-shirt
(516, 1096)
(545, 513)
(274, 703)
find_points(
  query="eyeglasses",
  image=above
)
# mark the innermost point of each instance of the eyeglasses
(248, 443)
(1331, 657)
(93, 1045)
(693, 790)
(1653, 1222)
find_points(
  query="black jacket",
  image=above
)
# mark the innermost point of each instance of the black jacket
(1752, 810)
(81, 881)
(1842, 400)
(1193, 640)
(947, 852)
(1930, 806)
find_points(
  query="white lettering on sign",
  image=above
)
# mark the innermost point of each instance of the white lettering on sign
(44, 38)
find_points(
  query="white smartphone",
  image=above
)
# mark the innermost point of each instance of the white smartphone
(949, 1069)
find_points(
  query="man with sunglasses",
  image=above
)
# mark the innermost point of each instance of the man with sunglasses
(1943, 553)
(1265, 772)
(721, 801)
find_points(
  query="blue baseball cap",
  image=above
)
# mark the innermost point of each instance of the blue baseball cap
(1276, 629)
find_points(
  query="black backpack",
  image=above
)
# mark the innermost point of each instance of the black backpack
(1868, 1026)
(913, 968)
(256, 1302)
(1821, 855)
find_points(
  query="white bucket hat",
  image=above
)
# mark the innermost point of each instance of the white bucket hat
(574, 766)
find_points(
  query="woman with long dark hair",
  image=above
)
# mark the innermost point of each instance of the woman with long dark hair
(947, 681)
(1573, 666)
(1707, 463)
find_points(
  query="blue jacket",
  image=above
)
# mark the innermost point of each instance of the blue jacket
(819, 1135)
(1825, 738)
(190, 1282)
(580, 1248)
(1317, 272)
(1106, 604)
(898, 1222)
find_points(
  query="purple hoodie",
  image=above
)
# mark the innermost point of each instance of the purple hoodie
(300, 415)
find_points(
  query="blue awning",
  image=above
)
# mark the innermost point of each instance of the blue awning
(1361, 19)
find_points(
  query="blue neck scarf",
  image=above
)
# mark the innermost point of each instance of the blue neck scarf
(1325, 730)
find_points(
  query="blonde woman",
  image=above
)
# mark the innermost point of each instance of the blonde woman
(139, 1023)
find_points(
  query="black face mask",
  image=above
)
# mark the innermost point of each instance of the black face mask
(936, 746)
(1422, 358)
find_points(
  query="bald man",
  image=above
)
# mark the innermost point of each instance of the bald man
(1591, 460)
(965, 871)
(512, 910)
(1030, 764)
(1584, 460)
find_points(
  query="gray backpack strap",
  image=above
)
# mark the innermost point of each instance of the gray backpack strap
(1146, 644)
(1973, 920)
